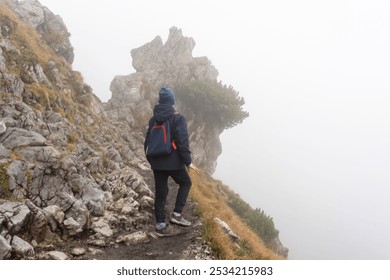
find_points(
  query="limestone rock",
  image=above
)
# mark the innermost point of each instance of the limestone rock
(21, 248)
(4, 152)
(78, 251)
(91, 195)
(47, 154)
(5, 248)
(3, 127)
(102, 228)
(146, 202)
(54, 255)
(278, 248)
(2, 61)
(227, 229)
(51, 27)
(16, 137)
(12, 84)
(16, 214)
(73, 226)
(97, 243)
(34, 73)
(54, 215)
(134, 238)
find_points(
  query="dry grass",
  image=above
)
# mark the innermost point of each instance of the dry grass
(26, 37)
(212, 204)
(33, 49)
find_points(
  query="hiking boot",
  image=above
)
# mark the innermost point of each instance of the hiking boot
(167, 231)
(178, 219)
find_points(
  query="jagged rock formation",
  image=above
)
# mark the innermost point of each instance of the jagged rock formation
(158, 64)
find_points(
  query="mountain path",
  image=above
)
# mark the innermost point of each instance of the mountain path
(188, 245)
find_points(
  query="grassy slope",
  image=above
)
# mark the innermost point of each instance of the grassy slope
(212, 203)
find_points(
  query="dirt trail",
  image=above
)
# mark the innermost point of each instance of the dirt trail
(188, 245)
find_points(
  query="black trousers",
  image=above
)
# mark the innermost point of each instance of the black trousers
(182, 178)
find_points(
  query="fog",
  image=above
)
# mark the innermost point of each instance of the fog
(315, 151)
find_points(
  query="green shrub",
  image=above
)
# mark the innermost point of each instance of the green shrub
(4, 181)
(221, 104)
(256, 219)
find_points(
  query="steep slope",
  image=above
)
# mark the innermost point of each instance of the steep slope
(65, 168)
(73, 176)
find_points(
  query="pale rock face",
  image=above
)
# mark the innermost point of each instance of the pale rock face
(49, 25)
(14, 215)
(3, 127)
(227, 229)
(5, 248)
(102, 227)
(16, 137)
(158, 64)
(2, 60)
(21, 247)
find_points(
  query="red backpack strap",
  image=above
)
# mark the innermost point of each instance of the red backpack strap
(173, 126)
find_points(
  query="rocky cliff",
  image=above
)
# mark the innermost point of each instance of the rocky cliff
(72, 168)
(65, 168)
(158, 64)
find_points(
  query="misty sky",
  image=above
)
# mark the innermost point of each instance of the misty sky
(315, 151)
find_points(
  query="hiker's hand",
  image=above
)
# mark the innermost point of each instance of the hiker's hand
(193, 167)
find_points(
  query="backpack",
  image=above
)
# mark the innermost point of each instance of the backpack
(160, 141)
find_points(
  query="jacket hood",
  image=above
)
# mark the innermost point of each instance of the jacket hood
(162, 112)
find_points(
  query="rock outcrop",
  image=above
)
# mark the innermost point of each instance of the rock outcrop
(158, 64)
(50, 26)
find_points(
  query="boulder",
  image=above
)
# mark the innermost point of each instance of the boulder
(102, 228)
(17, 137)
(72, 226)
(227, 229)
(16, 214)
(12, 84)
(54, 217)
(21, 248)
(47, 154)
(5, 248)
(78, 251)
(134, 238)
(91, 195)
(54, 255)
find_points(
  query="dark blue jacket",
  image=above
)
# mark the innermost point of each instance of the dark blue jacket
(179, 158)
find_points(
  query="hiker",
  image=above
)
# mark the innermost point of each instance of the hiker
(174, 163)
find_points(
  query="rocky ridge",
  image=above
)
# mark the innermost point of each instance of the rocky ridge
(74, 182)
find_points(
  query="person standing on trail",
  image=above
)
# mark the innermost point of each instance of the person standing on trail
(175, 163)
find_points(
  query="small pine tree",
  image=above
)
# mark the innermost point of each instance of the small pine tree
(220, 103)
